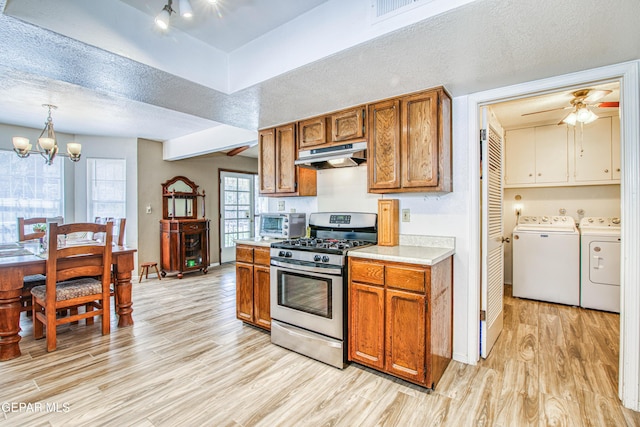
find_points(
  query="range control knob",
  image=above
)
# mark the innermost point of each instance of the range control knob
(281, 253)
(288, 254)
(325, 258)
(317, 258)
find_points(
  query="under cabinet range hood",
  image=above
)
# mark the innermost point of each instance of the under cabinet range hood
(338, 156)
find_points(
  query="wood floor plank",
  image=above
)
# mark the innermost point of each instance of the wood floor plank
(185, 363)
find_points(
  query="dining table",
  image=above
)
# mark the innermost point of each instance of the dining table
(18, 261)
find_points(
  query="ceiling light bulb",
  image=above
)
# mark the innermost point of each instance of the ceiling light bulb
(74, 148)
(185, 9)
(213, 1)
(571, 119)
(162, 20)
(20, 142)
(590, 117)
(582, 114)
(47, 143)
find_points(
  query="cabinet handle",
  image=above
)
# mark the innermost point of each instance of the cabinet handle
(606, 171)
(618, 170)
(530, 174)
(539, 174)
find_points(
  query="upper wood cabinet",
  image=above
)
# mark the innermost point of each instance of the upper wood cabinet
(337, 128)
(278, 174)
(410, 143)
(348, 125)
(312, 132)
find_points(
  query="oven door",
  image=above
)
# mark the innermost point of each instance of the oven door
(308, 299)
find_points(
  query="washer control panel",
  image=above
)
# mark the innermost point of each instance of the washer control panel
(551, 221)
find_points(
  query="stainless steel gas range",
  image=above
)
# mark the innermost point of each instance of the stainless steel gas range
(309, 286)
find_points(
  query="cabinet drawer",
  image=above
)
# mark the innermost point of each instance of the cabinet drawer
(407, 278)
(261, 256)
(367, 272)
(191, 227)
(244, 254)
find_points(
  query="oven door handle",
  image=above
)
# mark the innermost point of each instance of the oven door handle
(294, 265)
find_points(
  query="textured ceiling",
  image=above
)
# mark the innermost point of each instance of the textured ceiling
(482, 45)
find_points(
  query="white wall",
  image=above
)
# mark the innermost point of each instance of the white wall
(594, 200)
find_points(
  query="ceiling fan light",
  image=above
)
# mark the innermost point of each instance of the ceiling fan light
(571, 119)
(590, 117)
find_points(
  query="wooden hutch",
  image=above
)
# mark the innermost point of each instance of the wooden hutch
(184, 237)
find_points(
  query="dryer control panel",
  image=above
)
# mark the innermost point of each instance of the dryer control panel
(600, 222)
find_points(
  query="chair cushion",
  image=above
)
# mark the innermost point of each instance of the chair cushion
(71, 289)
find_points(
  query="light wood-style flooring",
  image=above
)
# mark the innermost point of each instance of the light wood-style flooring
(187, 361)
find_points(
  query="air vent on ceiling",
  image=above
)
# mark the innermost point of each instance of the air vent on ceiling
(387, 8)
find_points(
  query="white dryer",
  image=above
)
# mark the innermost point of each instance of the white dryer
(600, 263)
(546, 259)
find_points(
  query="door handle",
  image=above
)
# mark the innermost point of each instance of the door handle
(505, 240)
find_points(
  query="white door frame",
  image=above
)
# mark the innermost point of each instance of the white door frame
(628, 74)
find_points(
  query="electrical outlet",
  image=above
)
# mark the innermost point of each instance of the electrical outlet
(280, 205)
(148, 209)
(406, 215)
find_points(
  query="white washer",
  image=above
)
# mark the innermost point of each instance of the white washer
(600, 263)
(546, 259)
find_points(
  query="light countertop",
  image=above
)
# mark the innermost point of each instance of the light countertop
(257, 241)
(424, 255)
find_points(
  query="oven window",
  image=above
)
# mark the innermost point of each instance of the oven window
(305, 293)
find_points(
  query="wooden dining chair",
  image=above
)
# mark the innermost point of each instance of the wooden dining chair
(36, 279)
(70, 281)
(30, 223)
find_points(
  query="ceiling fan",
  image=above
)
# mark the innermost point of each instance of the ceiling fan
(582, 100)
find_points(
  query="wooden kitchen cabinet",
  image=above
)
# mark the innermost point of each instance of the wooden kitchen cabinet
(278, 175)
(348, 125)
(409, 146)
(252, 285)
(401, 318)
(312, 133)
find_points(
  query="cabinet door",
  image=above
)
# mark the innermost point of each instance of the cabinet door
(593, 151)
(551, 154)
(284, 158)
(312, 132)
(384, 146)
(405, 338)
(419, 140)
(244, 292)
(520, 150)
(267, 161)
(615, 148)
(366, 325)
(346, 125)
(261, 309)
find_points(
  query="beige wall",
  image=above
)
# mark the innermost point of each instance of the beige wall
(204, 171)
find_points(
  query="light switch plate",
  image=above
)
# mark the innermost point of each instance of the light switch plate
(406, 215)
(281, 205)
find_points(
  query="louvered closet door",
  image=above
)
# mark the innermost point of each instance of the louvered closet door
(492, 291)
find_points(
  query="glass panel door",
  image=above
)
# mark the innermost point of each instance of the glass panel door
(236, 211)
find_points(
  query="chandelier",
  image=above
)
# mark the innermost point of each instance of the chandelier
(46, 146)
(184, 10)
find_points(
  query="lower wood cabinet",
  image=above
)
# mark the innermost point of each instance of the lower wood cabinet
(252, 285)
(401, 318)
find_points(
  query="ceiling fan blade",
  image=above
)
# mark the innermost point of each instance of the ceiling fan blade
(546, 111)
(595, 95)
(615, 104)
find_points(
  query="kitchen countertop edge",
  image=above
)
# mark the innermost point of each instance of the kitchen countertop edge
(257, 242)
(425, 255)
